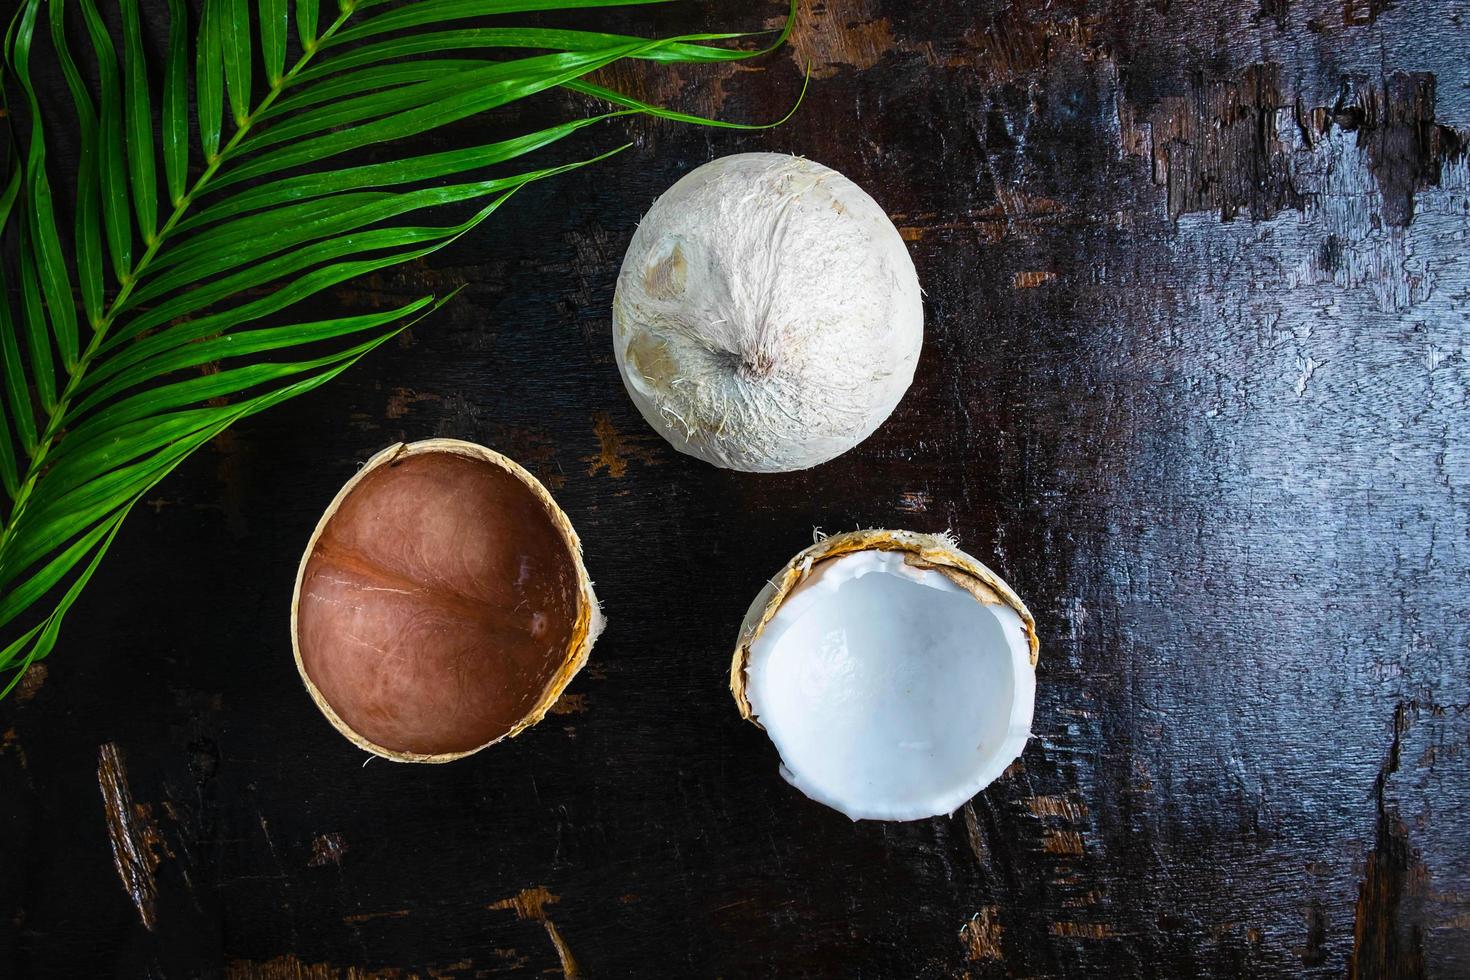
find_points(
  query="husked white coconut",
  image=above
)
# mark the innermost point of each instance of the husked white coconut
(894, 673)
(767, 316)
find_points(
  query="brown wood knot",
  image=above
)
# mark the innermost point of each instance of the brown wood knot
(615, 450)
(327, 849)
(1030, 280)
(530, 903)
(981, 935)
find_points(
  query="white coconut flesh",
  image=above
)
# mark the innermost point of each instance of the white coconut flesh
(767, 315)
(891, 692)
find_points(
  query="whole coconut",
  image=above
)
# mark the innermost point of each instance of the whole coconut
(768, 316)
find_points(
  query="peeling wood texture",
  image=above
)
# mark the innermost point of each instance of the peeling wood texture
(1196, 381)
(132, 833)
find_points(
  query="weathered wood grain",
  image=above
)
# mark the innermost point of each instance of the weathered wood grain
(1195, 381)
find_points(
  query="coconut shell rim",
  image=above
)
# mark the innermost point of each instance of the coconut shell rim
(585, 630)
(938, 551)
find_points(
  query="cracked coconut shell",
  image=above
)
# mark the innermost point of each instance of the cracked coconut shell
(441, 604)
(894, 672)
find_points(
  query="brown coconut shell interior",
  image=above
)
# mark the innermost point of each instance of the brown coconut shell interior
(439, 600)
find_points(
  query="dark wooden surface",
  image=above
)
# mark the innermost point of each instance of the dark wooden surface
(1195, 381)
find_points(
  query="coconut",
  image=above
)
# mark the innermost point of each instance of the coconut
(441, 604)
(895, 674)
(767, 314)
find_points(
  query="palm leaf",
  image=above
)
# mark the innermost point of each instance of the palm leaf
(164, 316)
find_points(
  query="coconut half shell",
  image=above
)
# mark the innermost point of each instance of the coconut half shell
(896, 698)
(441, 604)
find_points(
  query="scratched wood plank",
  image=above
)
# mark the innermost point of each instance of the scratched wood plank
(1195, 381)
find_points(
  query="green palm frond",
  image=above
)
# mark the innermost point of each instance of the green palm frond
(153, 322)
